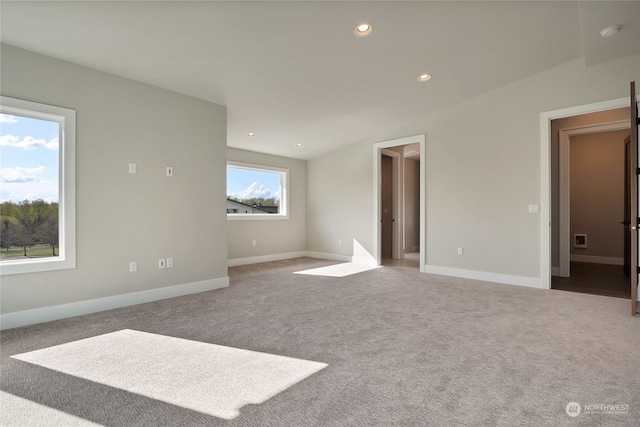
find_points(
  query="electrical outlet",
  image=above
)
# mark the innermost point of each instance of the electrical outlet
(162, 263)
(169, 262)
(133, 267)
(339, 241)
(132, 168)
(255, 243)
(169, 171)
(460, 251)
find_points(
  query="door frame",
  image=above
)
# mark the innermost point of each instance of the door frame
(564, 163)
(545, 174)
(377, 178)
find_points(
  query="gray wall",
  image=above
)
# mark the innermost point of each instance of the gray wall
(123, 217)
(273, 236)
(340, 200)
(597, 192)
(483, 170)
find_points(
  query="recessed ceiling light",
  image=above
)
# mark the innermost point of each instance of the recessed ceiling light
(299, 145)
(424, 78)
(362, 30)
(251, 134)
(610, 31)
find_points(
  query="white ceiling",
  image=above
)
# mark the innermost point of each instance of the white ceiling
(293, 72)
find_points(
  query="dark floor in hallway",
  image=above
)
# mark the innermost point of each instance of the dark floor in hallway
(410, 260)
(596, 279)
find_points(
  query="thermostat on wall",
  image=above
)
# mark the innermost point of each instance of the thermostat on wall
(579, 240)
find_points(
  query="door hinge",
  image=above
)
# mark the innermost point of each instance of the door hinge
(638, 121)
(638, 270)
(637, 171)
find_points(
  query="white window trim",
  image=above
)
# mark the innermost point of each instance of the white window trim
(284, 193)
(67, 186)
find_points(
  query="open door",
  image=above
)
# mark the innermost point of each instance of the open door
(633, 208)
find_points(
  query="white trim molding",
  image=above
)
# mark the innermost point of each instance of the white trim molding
(507, 279)
(362, 260)
(265, 258)
(377, 149)
(284, 192)
(329, 257)
(63, 311)
(545, 175)
(66, 118)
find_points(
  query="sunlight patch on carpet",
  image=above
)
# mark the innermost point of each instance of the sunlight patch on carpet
(338, 270)
(207, 378)
(19, 412)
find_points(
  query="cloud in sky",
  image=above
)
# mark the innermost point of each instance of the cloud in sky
(255, 190)
(20, 174)
(19, 197)
(28, 142)
(7, 118)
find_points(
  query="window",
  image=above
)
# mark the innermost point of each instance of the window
(256, 192)
(37, 187)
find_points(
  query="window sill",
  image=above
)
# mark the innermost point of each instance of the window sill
(255, 217)
(35, 265)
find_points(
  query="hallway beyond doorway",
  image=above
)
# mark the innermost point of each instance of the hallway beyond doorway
(597, 279)
(410, 260)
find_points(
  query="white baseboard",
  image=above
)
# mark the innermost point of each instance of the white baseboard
(530, 282)
(328, 256)
(264, 258)
(362, 260)
(597, 259)
(290, 255)
(46, 314)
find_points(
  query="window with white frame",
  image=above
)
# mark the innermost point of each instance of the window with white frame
(37, 187)
(256, 191)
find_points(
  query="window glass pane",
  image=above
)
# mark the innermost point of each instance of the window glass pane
(29, 187)
(253, 191)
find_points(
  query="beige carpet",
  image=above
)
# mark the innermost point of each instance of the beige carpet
(403, 348)
(338, 270)
(207, 378)
(18, 412)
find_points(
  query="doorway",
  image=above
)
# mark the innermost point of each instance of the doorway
(399, 202)
(548, 192)
(546, 189)
(590, 182)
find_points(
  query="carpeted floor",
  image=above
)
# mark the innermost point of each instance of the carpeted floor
(171, 369)
(402, 348)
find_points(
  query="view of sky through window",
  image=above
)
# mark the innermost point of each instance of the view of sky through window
(247, 184)
(29, 165)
